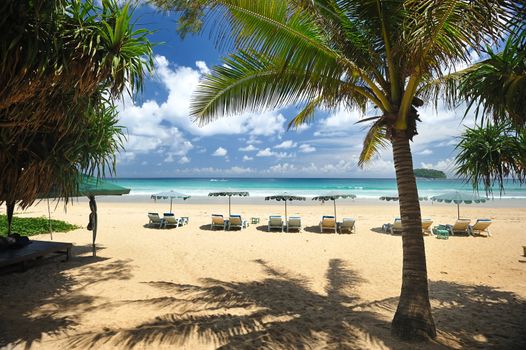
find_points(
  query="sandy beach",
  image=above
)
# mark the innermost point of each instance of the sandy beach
(193, 288)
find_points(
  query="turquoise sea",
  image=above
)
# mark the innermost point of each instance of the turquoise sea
(260, 187)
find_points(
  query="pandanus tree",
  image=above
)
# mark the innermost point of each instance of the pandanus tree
(63, 65)
(352, 54)
(495, 88)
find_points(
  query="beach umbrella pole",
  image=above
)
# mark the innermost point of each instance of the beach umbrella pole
(458, 210)
(171, 200)
(229, 213)
(49, 220)
(335, 221)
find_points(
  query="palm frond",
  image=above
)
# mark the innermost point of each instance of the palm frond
(375, 139)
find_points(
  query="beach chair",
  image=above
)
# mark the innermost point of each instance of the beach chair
(155, 220)
(235, 221)
(169, 220)
(328, 222)
(481, 225)
(347, 225)
(460, 226)
(275, 222)
(294, 223)
(218, 221)
(395, 227)
(426, 226)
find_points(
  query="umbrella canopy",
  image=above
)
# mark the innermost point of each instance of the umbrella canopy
(395, 197)
(171, 195)
(285, 197)
(333, 196)
(229, 194)
(90, 186)
(458, 197)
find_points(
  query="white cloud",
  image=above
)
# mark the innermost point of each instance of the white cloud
(247, 158)
(306, 148)
(220, 152)
(180, 83)
(248, 148)
(446, 165)
(203, 68)
(425, 152)
(286, 144)
(265, 153)
(184, 160)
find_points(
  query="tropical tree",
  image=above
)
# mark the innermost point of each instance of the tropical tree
(496, 88)
(63, 64)
(490, 154)
(355, 54)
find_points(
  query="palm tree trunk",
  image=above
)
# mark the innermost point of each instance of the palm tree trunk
(413, 319)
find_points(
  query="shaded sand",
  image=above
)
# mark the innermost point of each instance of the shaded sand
(192, 288)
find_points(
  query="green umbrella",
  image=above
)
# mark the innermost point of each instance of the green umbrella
(333, 196)
(228, 194)
(285, 197)
(170, 195)
(90, 186)
(458, 197)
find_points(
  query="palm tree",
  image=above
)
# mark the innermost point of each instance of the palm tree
(63, 64)
(356, 54)
(491, 154)
(496, 86)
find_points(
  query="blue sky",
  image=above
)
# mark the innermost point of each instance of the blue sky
(163, 140)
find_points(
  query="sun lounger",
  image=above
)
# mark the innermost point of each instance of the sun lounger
(481, 225)
(155, 220)
(218, 222)
(169, 220)
(426, 226)
(347, 225)
(235, 221)
(294, 223)
(460, 226)
(275, 222)
(328, 223)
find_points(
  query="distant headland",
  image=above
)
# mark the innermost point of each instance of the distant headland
(430, 174)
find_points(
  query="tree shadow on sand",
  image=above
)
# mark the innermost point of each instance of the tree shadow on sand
(279, 312)
(282, 312)
(46, 299)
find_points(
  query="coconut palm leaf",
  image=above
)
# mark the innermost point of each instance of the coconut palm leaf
(375, 139)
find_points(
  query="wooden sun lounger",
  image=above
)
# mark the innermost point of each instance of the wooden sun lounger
(32, 251)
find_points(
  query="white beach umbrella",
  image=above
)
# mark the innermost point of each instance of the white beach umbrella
(170, 195)
(458, 197)
(229, 194)
(333, 196)
(285, 197)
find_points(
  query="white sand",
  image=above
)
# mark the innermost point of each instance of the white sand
(192, 288)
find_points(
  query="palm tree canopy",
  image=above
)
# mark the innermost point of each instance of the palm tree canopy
(350, 54)
(496, 86)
